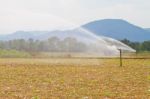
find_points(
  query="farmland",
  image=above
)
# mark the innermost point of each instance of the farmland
(74, 78)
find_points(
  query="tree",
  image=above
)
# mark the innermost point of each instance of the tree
(146, 46)
(53, 44)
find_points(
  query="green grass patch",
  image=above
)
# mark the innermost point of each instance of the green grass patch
(13, 54)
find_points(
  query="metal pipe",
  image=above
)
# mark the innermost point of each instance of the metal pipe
(120, 57)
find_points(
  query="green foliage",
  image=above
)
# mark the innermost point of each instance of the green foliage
(138, 46)
(108, 94)
(53, 44)
(36, 97)
(21, 47)
(13, 53)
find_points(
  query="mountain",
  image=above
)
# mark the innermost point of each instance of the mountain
(118, 29)
(114, 28)
(23, 35)
(43, 35)
(148, 29)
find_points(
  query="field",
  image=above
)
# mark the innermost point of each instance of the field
(74, 78)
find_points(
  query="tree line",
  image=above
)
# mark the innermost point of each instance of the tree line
(53, 44)
(138, 46)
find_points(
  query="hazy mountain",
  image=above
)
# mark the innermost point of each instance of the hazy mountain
(118, 29)
(115, 28)
(148, 29)
(43, 35)
(23, 35)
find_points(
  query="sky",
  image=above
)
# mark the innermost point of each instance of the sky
(39, 15)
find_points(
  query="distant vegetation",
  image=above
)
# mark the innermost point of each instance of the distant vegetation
(138, 46)
(30, 47)
(53, 44)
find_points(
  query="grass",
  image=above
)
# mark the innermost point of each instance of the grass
(13, 53)
(74, 79)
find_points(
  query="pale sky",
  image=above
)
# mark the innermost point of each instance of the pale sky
(52, 14)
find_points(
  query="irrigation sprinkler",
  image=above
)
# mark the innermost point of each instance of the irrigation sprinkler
(120, 57)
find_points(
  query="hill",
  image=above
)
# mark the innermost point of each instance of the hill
(148, 29)
(114, 28)
(118, 29)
